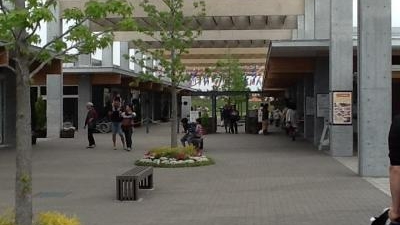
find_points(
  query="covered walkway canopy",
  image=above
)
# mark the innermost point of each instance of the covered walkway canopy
(306, 48)
(241, 29)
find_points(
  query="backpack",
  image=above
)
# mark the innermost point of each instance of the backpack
(192, 128)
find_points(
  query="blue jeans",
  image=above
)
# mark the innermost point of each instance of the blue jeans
(186, 138)
(116, 128)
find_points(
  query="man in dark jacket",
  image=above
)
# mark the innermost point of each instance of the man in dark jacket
(90, 122)
(394, 169)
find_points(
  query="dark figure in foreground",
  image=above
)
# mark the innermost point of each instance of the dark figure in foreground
(392, 213)
(394, 170)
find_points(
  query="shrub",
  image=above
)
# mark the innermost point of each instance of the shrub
(7, 218)
(56, 218)
(204, 119)
(177, 153)
(45, 218)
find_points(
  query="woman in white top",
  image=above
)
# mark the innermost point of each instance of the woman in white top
(291, 121)
(127, 125)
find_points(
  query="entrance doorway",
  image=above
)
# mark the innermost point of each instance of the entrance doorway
(2, 114)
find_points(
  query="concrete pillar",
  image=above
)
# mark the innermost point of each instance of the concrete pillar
(124, 51)
(375, 98)
(85, 95)
(322, 19)
(149, 65)
(309, 119)
(138, 68)
(300, 27)
(321, 86)
(107, 57)
(84, 60)
(294, 35)
(309, 17)
(54, 28)
(300, 104)
(54, 84)
(341, 70)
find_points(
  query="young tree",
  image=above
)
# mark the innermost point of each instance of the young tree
(19, 23)
(228, 75)
(175, 34)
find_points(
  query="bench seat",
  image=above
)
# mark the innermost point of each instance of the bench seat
(129, 183)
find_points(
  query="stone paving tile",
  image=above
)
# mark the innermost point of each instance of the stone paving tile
(257, 180)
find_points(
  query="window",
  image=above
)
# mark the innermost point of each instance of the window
(70, 90)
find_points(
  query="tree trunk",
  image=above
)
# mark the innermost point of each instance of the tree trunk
(23, 184)
(174, 117)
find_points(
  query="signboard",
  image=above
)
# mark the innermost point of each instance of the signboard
(310, 106)
(323, 105)
(193, 116)
(342, 108)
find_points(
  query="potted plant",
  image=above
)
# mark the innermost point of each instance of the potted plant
(41, 119)
(207, 123)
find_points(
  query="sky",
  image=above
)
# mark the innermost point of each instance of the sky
(395, 13)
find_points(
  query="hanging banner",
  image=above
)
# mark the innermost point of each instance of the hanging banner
(342, 108)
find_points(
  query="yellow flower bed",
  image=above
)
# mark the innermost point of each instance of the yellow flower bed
(45, 218)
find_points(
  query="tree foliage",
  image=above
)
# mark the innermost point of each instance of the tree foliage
(173, 33)
(228, 75)
(19, 22)
(19, 25)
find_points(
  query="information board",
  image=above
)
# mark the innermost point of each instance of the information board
(342, 108)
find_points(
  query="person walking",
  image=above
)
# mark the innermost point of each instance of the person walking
(394, 169)
(234, 118)
(90, 123)
(127, 126)
(116, 119)
(277, 117)
(226, 117)
(292, 121)
(265, 115)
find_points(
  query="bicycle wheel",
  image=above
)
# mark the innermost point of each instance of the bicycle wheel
(103, 128)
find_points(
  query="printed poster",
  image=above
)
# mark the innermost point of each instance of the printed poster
(342, 108)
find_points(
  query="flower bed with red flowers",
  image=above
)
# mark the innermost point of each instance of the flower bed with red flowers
(174, 157)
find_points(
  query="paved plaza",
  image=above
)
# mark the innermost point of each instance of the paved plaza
(256, 180)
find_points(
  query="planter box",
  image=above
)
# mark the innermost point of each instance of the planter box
(67, 133)
(210, 126)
